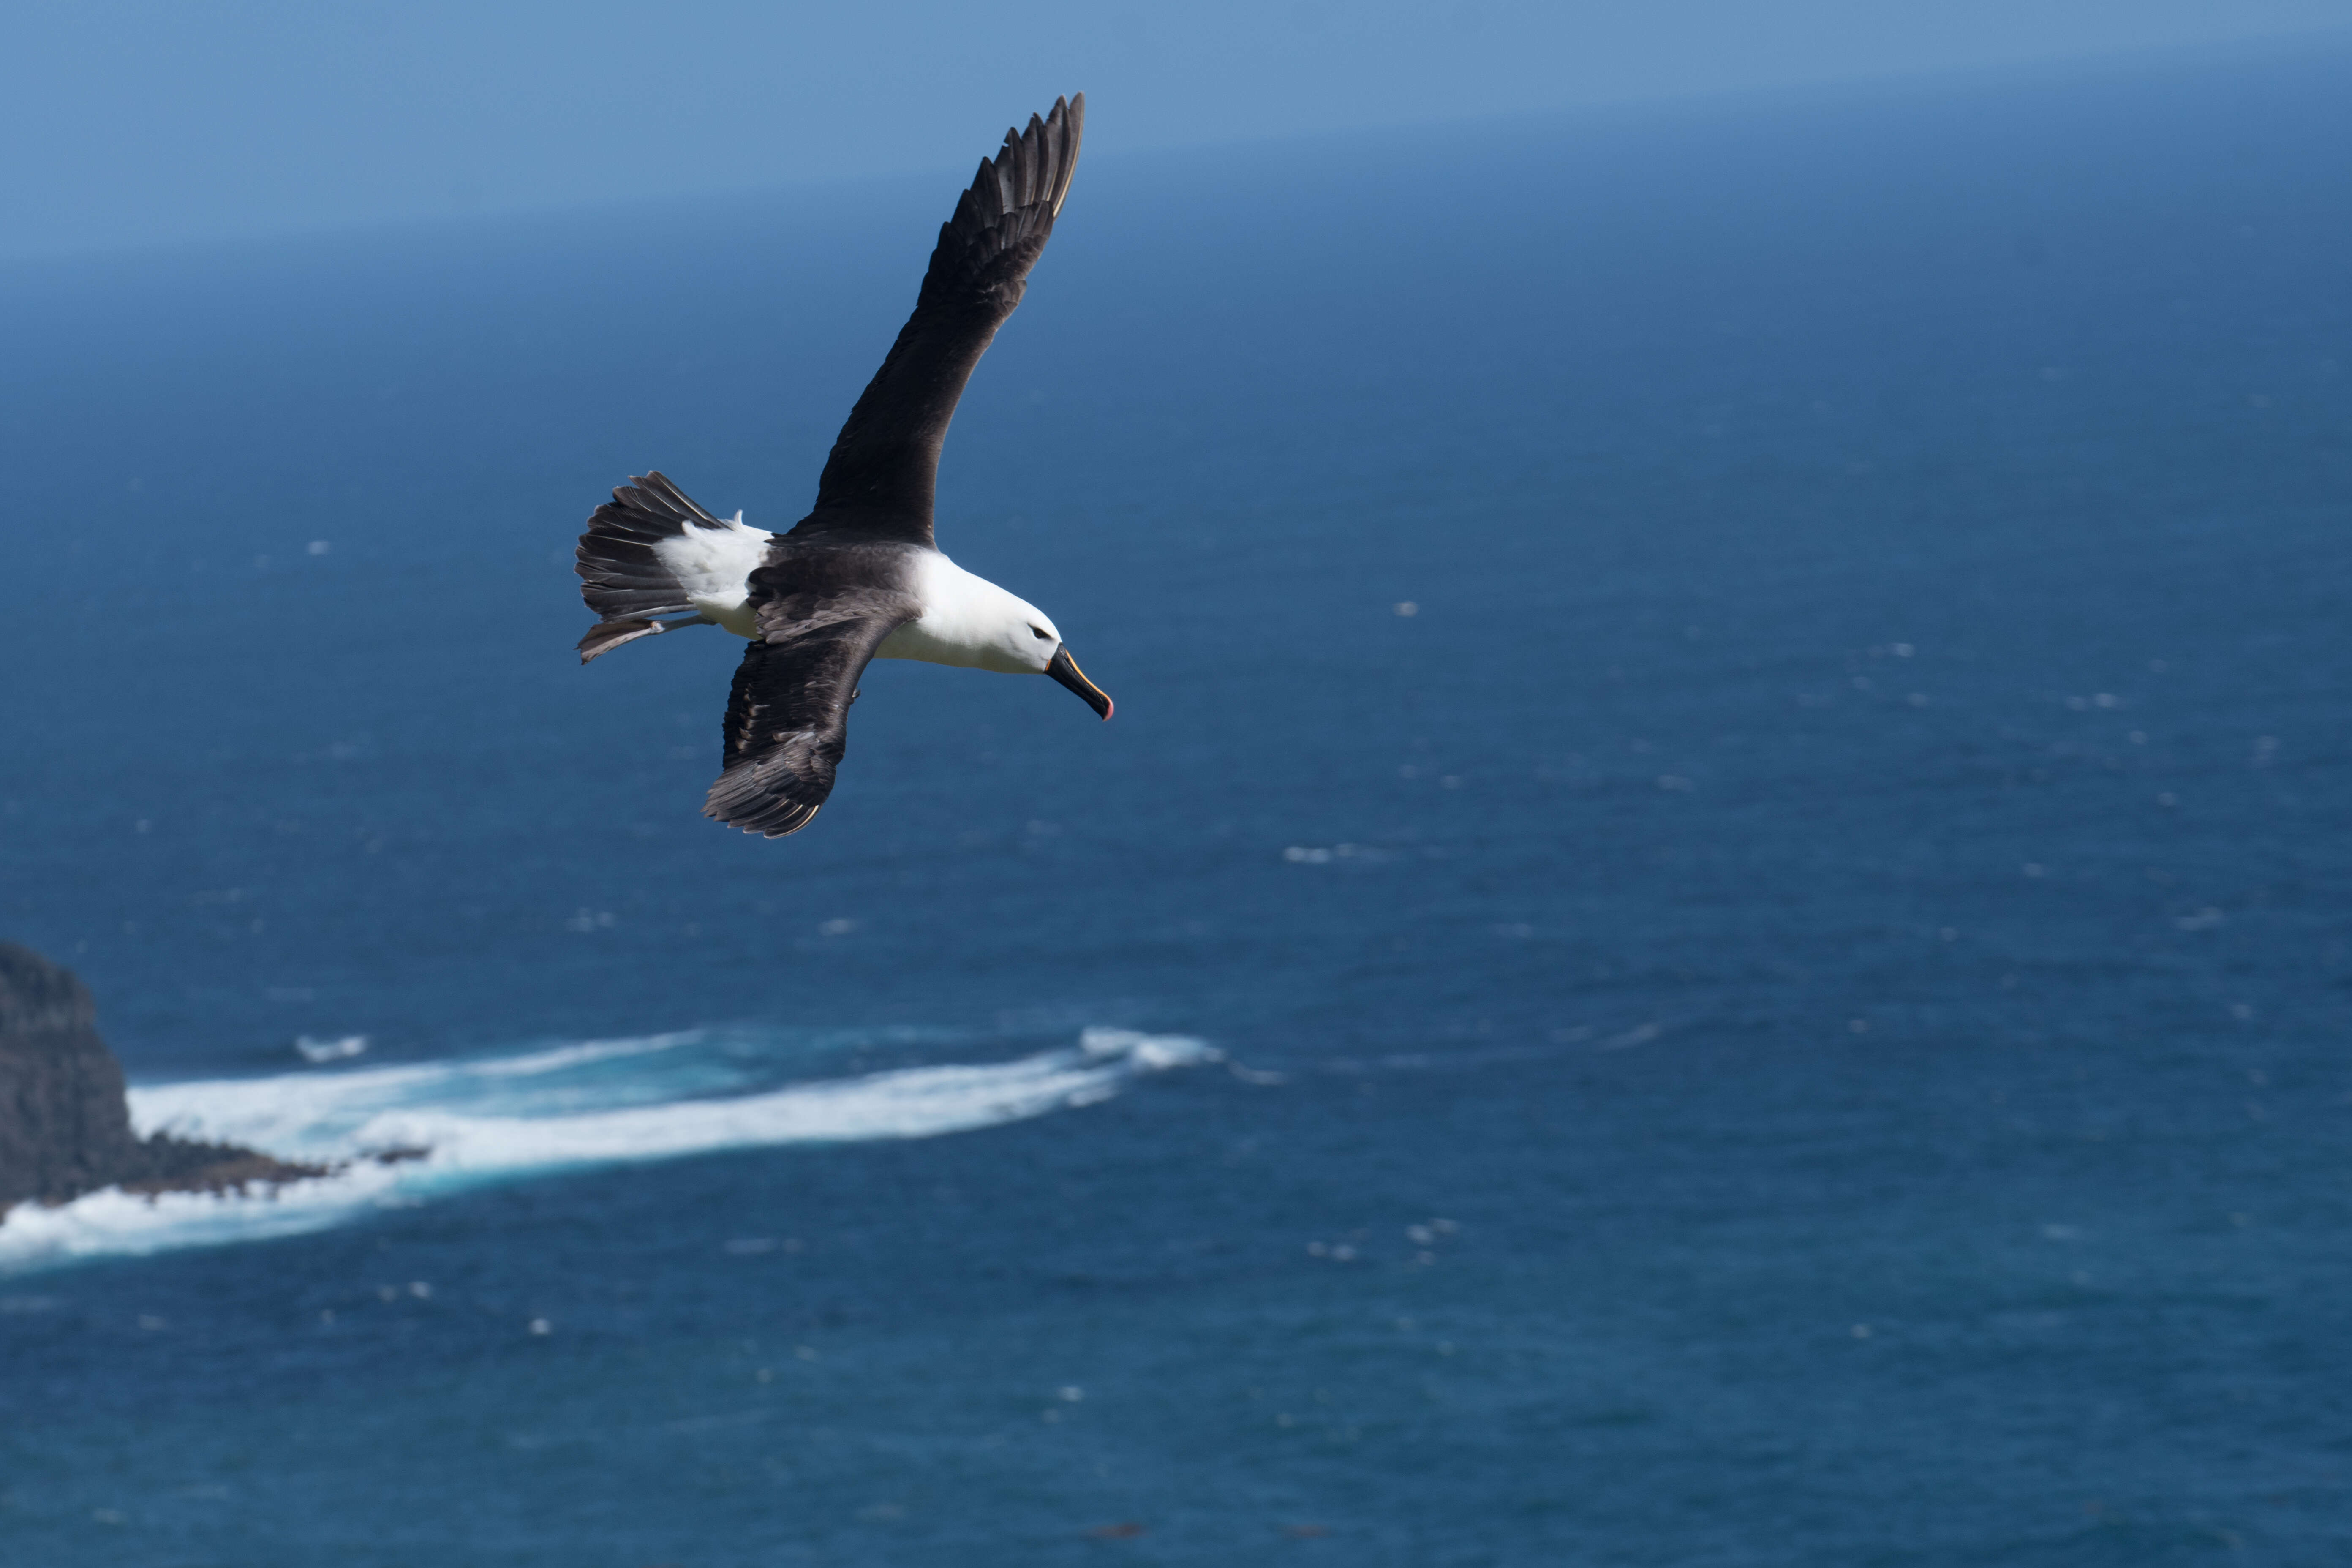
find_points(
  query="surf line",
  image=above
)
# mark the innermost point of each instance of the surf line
(398, 1137)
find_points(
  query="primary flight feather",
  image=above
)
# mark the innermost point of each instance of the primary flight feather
(859, 578)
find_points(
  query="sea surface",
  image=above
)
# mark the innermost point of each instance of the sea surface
(1713, 928)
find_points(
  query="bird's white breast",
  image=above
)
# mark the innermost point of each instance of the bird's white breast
(967, 620)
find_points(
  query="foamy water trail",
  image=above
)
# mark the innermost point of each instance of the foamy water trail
(592, 1103)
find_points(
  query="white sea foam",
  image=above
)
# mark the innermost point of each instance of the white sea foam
(334, 1050)
(589, 1103)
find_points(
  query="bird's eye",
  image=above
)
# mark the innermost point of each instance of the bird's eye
(1041, 634)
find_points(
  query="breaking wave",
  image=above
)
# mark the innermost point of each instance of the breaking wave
(402, 1135)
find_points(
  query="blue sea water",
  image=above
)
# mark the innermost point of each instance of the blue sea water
(1791, 1012)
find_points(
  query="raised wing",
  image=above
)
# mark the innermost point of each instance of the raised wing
(788, 715)
(878, 480)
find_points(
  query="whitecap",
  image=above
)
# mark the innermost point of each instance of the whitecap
(340, 1048)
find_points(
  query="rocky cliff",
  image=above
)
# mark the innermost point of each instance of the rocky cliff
(64, 1127)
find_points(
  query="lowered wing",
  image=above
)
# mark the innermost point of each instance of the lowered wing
(788, 713)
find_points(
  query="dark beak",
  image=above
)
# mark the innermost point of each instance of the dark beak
(1066, 669)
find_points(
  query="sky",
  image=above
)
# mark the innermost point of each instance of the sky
(130, 124)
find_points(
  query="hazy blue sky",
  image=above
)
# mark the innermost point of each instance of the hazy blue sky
(130, 123)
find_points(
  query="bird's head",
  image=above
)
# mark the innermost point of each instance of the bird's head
(1030, 644)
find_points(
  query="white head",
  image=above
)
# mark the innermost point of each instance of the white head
(970, 620)
(1020, 639)
(1032, 645)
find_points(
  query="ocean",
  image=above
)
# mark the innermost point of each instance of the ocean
(1713, 928)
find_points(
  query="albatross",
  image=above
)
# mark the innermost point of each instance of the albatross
(860, 577)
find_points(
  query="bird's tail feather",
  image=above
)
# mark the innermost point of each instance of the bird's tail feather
(606, 636)
(621, 576)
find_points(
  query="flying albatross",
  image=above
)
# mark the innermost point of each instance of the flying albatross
(859, 578)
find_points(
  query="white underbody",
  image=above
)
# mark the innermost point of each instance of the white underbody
(966, 620)
(714, 565)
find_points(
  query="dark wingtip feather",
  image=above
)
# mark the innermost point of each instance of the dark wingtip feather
(738, 799)
(1071, 112)
(1031, 168)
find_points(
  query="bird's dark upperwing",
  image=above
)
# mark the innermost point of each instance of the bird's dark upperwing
(788, 715)
(878, 482)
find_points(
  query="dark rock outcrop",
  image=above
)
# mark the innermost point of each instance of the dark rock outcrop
(65, 1129)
